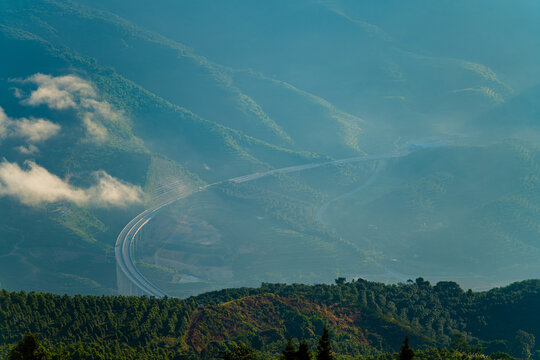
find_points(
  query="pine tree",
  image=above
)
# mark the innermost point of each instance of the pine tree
(406, 353)
(304, 353)
(29, 348)
(289, 353)
(324, 349)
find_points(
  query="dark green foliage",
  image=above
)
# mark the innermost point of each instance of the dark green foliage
(290, 352)
(239, 352)
(436, 312)
(524, 344)
(131, 320)
(304, 352)
(502, 356)
(502, 320)
(406, 352)
(324, 349)
(29, 348)
(460, 343)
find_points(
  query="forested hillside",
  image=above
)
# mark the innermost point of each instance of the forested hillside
(364, 318)
(108, 107)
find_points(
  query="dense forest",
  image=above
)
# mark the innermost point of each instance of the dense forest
(365, 320)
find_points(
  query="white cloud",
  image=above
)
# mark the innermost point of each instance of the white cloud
(35, 185)
(110, 191)
(4, 122)
(95, 130)
(17, 93)
(102, 109)
(33, 130)
(73, 92)
(28, 150)
(60, 92)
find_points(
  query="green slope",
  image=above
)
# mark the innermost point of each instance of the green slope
(463, 212)
(204, 97)
(364, 318)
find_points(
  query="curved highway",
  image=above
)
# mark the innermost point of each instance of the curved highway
(125, 243)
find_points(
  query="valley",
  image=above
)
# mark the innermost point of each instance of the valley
(125, 243)
(264, 156)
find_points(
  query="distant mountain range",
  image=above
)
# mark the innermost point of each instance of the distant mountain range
(105, 103)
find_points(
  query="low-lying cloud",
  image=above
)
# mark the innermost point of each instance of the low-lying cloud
(60, 92)
(110, 191)
(33, 130)
(34, 185)
(4, 122)
(28, 150)
(94, 130)
(72, 92)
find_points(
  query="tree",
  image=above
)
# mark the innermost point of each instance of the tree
(501, 356)
(340, 281)
(523, 344)
(239, 352)
(406, 353)
(421, 282)
(459, 343)
(324, 349)
(29, 348)
(289, 353)
(304, 353)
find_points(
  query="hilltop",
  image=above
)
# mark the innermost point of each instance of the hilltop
(365, 318)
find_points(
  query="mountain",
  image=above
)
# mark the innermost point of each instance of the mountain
(421, 200)
(412, 67)
(186, 138)
(110, 107)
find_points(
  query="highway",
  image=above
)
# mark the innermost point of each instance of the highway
(124, 251)
(125, 242)
(291, 169)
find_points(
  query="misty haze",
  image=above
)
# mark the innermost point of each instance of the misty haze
(173, 148)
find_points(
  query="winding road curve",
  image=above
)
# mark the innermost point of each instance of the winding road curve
(125, 243)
